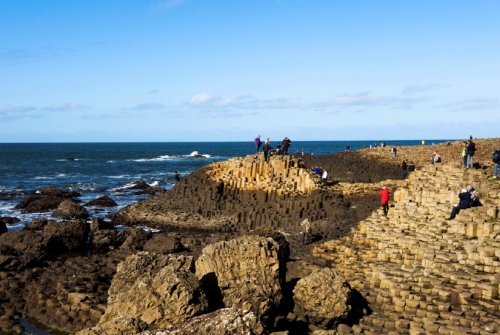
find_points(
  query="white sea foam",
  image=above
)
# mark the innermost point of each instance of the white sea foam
(197, 154)
(155, 183)
(121, 176)
(60, 175)
(43, 178)
(111, 161)
(124, 187)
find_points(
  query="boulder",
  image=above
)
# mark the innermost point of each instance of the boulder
(245, 272)
(68, 209)
(163, 245)
(221, 322)
(3, 227)
(159, 290)
(21, 249)
(136, 239)
(103, 201)
(56, 192)
(322, 298)
(65, 235)
(39, 203)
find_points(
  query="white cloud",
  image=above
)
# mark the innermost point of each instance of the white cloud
(201, 99)
(65, 107)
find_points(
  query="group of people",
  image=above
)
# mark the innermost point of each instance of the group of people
(281, 149)
(322, 173)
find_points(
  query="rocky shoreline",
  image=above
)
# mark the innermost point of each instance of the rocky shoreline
(229, 259)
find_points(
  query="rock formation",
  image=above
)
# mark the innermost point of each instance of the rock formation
(156, 289)
(69, 209)
(103, 201)
(247, 272)
(323, 297)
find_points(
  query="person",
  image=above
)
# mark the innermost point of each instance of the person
(436, 158)
(384, 199)
(285, 145)
(463, 203)
(474, 197)
(177, 176)
(470, 137)
(404, 167)
(496, 163)
(258, 143)
(324, 176)
(266, 148)
(394, 151)
(464, 154)
(347, 148)
(317, 170)
(471, 150)
(278, 149)
(306, 231)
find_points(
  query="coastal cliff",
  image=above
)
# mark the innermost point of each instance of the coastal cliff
(228, 252)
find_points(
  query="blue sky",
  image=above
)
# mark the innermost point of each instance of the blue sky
(197, 70)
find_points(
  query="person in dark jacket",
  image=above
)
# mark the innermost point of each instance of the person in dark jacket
(267, 149)
(258, 143)
(496, 163)
(404, 166)
(471, 150)
(285, 145)
(464, 202)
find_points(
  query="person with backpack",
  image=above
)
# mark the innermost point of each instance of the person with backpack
(471, 150)
(267, 150)
(496, 163)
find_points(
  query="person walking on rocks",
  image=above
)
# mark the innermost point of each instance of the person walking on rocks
(384, 194)
(463, 203)
(496, 163)
(306, 231)
(267, 149)
(471, 150)
(257, 142)
(464, 154)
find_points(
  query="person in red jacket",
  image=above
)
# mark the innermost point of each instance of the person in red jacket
(384, 199)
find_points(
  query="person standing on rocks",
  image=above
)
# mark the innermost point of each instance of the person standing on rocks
(384, 194)
(496, 163)
(257, 142)
(306, 231)
(285, 145)
(267, 149)
(394, 152)
(404, 167)
(464, 154)
(177, 176)
(471, 150)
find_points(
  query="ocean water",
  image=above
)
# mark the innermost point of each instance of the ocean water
(97, 169)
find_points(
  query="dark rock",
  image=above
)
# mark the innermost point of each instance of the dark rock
(56, 192)
(3, 227)
(68, 209)
(103, 201)
(108, 239)
(136, 239)
(36, 224)
(65, 236)
(21, 249)
(163, 245)
(99, 224)
(152, 191)
(39, 203)
(140, 185)
(9, 220)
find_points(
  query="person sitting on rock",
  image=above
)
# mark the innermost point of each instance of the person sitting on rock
(324, 177)
(436, 158)
(463, 203)
(384, 199)
(474, 197)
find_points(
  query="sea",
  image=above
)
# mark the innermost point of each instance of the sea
(97, 169)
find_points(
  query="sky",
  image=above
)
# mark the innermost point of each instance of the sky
(226, 70)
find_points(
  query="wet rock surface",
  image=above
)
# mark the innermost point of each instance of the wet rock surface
(103, 201)
(69, 209)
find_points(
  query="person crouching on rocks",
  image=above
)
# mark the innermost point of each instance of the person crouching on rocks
(436, 158)
(384, 199)
(464, 202)
(306, 231)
